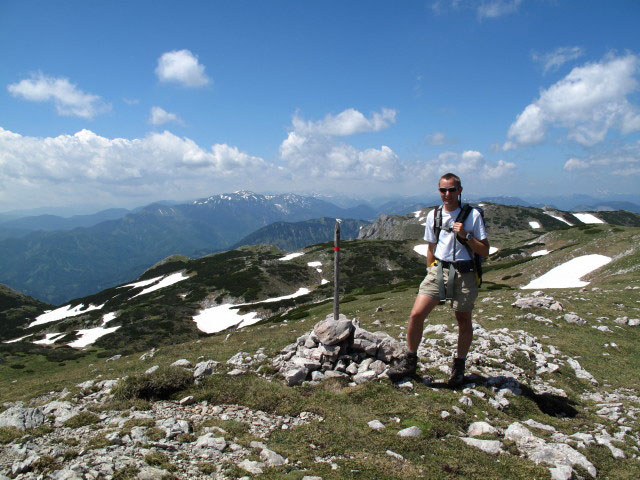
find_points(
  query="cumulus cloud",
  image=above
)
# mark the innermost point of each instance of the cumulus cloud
(159, 116)
(86, 158)
(68, 99)
(484, 9)
(437, 138)
(469, 162)
(312, 148)
(497, 8)
(348, 122)
(621, 161)
(558, 57)
(588, 102)
(183, 67)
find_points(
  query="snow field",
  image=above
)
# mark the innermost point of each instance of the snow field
(219, 318)
(165, 282)
(568, 274)
(61, 313)
(587, 218)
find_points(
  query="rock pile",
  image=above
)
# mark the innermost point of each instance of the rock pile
(338, 348)
(536, 300)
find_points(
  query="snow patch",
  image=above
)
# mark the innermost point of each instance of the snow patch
(493, 250)
(17, 339)
(535, 225)
(50, 338)
(90, 335)
(324, 281)
(315, 265)
(142, 283)
(568, 274)
(165, 282)
(219, 318)
(62, 312)
(107, 317)
(587, 218)
(540, 253)
(558, 217)
(421, 249)
(291, 256)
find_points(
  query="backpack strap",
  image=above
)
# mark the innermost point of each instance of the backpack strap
(437, 223)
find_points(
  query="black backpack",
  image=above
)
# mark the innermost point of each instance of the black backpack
(465, 210)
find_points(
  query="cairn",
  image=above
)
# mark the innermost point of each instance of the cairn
(338, 348)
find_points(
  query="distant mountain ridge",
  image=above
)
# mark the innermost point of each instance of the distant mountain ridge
(57, 266)
(293, 236)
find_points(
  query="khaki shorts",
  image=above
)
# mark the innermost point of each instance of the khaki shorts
(465, 289)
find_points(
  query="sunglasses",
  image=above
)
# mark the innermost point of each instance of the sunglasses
(449, 189)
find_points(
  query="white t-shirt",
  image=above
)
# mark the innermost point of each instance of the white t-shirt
(444, 248)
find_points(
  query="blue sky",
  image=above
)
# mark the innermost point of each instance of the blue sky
(123, 103)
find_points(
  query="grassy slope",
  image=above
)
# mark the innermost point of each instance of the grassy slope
(344, 435)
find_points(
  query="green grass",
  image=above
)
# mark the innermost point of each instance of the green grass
(343, 437)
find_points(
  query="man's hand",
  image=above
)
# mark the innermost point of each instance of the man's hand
(458, 227)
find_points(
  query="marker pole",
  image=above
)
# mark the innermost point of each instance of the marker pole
(336, 272)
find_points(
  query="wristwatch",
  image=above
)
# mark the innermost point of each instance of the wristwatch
(468, 236)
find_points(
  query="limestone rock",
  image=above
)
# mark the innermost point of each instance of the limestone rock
(22, 418)
(480, 428)
(410, 432)
(493, 447)
(331, 332)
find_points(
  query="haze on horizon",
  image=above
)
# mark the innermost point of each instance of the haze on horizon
(126, 103)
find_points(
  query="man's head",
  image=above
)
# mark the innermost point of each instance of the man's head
(450, 189)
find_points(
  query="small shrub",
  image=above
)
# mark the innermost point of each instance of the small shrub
(159, 459)
(126, 473)
(9, 434)
(69, 455)
(207, 468)
(155, 434)
(82, 420)
(45, 464)
(159, 385)
(99, 441)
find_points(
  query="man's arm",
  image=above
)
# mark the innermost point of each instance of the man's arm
(430, 254)
(481, 247)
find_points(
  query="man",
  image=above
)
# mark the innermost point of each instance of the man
(448, 250)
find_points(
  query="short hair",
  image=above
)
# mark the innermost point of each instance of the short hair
(451, 176)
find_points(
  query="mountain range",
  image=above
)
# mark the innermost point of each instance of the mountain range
(59, 265)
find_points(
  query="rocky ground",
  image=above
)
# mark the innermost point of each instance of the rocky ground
(73, 436)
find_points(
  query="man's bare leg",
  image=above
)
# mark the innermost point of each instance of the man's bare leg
(465, 333)
(421, 309)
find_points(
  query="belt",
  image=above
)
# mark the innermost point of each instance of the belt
(457, 265)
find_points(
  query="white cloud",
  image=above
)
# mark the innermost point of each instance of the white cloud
(89, 162)
(348, 122)
(469, 162)
(575, 164)
(183, 67)
(66, 96)
(311, 148)
(497, 8)
(159, 116)
(622, 161)
(588, 102)
(558, 57)
(437, 138)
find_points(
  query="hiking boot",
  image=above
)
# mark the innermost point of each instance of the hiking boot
(406, 368)
(457, 373)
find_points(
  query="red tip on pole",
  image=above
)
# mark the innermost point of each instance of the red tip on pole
(336, 249)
